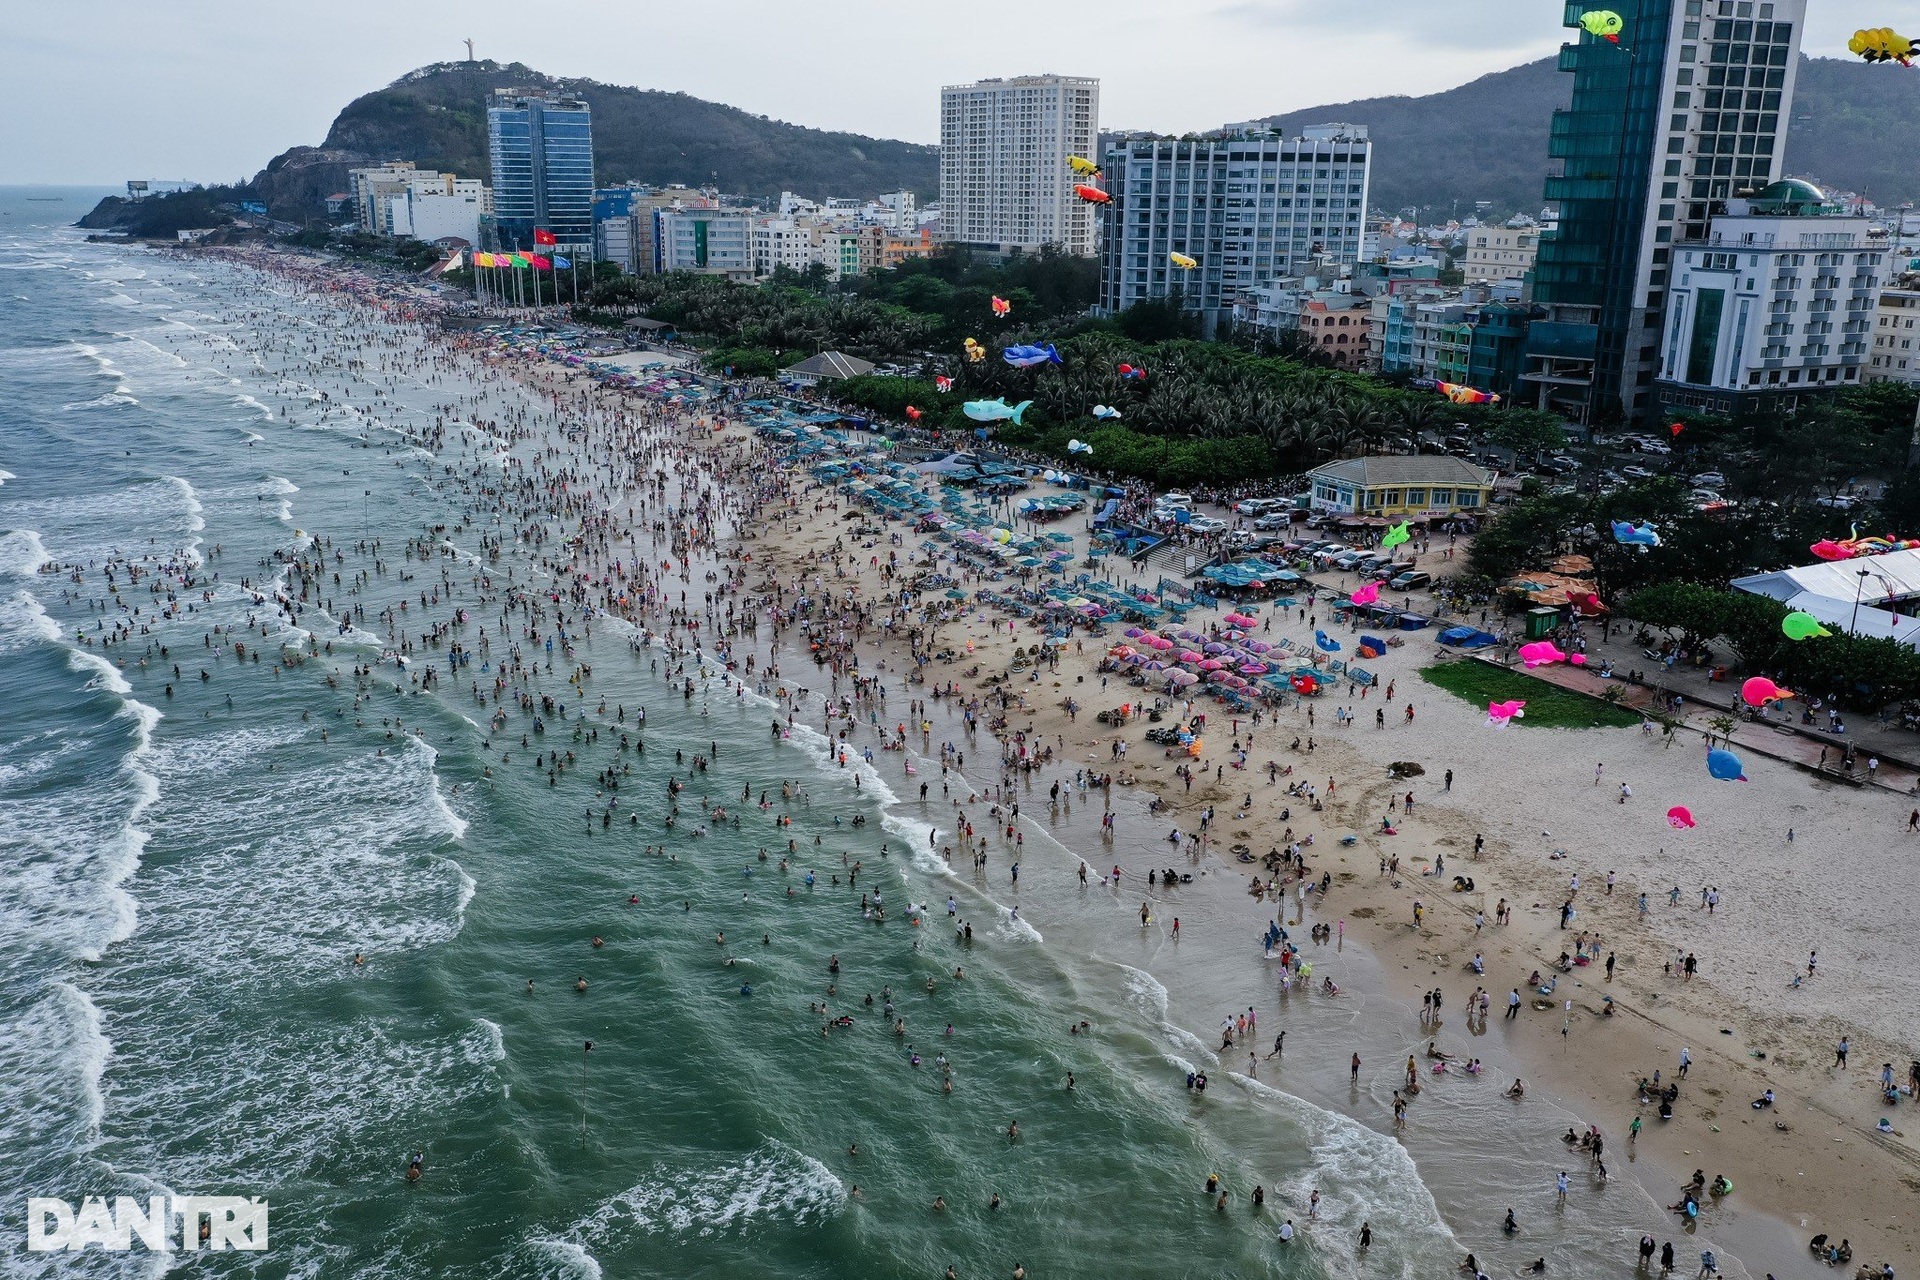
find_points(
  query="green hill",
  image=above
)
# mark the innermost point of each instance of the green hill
(1487, 139)
(437, 117)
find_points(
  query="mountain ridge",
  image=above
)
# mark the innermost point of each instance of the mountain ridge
(1849, 118)
(1439, 153)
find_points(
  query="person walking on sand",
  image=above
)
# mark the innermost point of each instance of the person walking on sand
(1560, 1189)
(1840, 1053)
(1686, 1061)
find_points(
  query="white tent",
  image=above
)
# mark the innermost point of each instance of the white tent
(1839, 594)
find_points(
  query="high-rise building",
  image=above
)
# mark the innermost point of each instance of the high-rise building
(1004, 178)
(1686, 110)
(1246, 208)
(1774, 303)
(542, 151)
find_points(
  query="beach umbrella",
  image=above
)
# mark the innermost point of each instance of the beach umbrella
(1212, 664)
(1241, 620)
(1258, 646)
(1253, 668)
(1162, 643)
(1235, 636)
(956, 594)
(1189, 655)
(1133, 633)
(1214, 646)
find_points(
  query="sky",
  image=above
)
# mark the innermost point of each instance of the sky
(210, 90)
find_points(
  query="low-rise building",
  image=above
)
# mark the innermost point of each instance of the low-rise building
(1500, 253)
(401, 199)
(1393, 486)
(715, 242)
(450, 208)
(1894, 357)
(626, 227)
(828, 366)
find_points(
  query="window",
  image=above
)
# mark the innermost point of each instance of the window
(1467, 498)
(1442, 497)
(1416, 497)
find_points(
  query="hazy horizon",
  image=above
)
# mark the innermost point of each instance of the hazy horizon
(213, 96)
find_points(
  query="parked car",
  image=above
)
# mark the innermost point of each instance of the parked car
(1206, 524)
(1655, 446)
(1392, 569)
(1277, 520)
(1838, 502)
(1413, 580)
(1348, 561)
(1710, 480)
(1257, 506)
(1637, 472)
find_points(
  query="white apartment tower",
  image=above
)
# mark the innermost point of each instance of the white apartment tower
(1004, 179)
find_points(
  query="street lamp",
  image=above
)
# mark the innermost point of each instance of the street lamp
(1854, 626)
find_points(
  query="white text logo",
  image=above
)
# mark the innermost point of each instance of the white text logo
(211, 1222)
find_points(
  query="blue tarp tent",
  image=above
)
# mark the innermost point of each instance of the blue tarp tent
(1467, 638)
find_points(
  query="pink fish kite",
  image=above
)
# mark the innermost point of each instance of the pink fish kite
(1502, 714)
(1759, 691)
(1367, 594)
(1680, 818)
(1542, 652)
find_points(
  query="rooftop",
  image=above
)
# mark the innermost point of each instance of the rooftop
(1404, 469)
(831, 364)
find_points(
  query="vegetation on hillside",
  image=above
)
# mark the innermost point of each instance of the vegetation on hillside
(437, 116)
(1487, 139)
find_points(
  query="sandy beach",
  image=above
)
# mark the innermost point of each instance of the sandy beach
(1548, 804)
(1813, 1161)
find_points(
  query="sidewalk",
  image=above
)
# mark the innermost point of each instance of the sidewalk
(1704, 700)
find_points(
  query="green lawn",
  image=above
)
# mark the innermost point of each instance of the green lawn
(1548, 707)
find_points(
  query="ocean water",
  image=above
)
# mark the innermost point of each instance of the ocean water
(190, 862)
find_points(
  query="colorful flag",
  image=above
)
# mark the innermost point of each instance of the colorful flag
(540, 262)
(520, 260)
(562, 263)
(482, 259)
(543, 237)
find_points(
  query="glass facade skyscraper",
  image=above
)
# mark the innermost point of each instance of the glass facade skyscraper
(1685, 112)
(542, 152)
